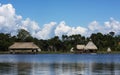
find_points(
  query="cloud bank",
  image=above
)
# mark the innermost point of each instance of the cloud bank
(10, 22)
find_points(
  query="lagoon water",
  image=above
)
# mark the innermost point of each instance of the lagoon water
(60, 64)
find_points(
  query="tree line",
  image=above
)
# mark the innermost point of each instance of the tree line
(63, 44)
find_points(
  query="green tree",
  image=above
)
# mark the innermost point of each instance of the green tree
(112, 33)
(55, 43)
(23, 35)
(5, 41)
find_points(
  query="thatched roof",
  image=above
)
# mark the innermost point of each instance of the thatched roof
(80, 46)
(23, 45)
(91, 45)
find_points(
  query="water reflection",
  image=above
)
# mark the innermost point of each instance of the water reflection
(62, 64)
(91, 68)
(23, 68)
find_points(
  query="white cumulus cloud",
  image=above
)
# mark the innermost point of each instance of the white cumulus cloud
(8, 19)
(93, 26)
(10, 22)
(112, 25)
(46, 32)
(62, 28)
(108, 26)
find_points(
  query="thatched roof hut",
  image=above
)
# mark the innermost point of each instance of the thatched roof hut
(91, 45)
(80, 46)
(24, 46)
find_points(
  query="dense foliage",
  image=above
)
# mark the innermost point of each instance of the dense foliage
(63, 44)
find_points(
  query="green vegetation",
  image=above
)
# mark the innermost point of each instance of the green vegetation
(63, 44)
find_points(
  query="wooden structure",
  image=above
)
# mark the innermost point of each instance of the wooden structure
(90, 47)
(80, 48)
(24, 47)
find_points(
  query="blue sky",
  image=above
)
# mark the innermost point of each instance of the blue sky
(73, 12)
(48, 18)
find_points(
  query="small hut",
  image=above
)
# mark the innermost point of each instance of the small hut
(80, 48)
(72, 50)
(91, 47)
(109, 50)
(24, 47)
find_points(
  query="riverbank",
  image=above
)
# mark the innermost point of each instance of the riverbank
(42, 52)
(105, 52)
(58, 52)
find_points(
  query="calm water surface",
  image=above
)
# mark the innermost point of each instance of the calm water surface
(60, 64)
